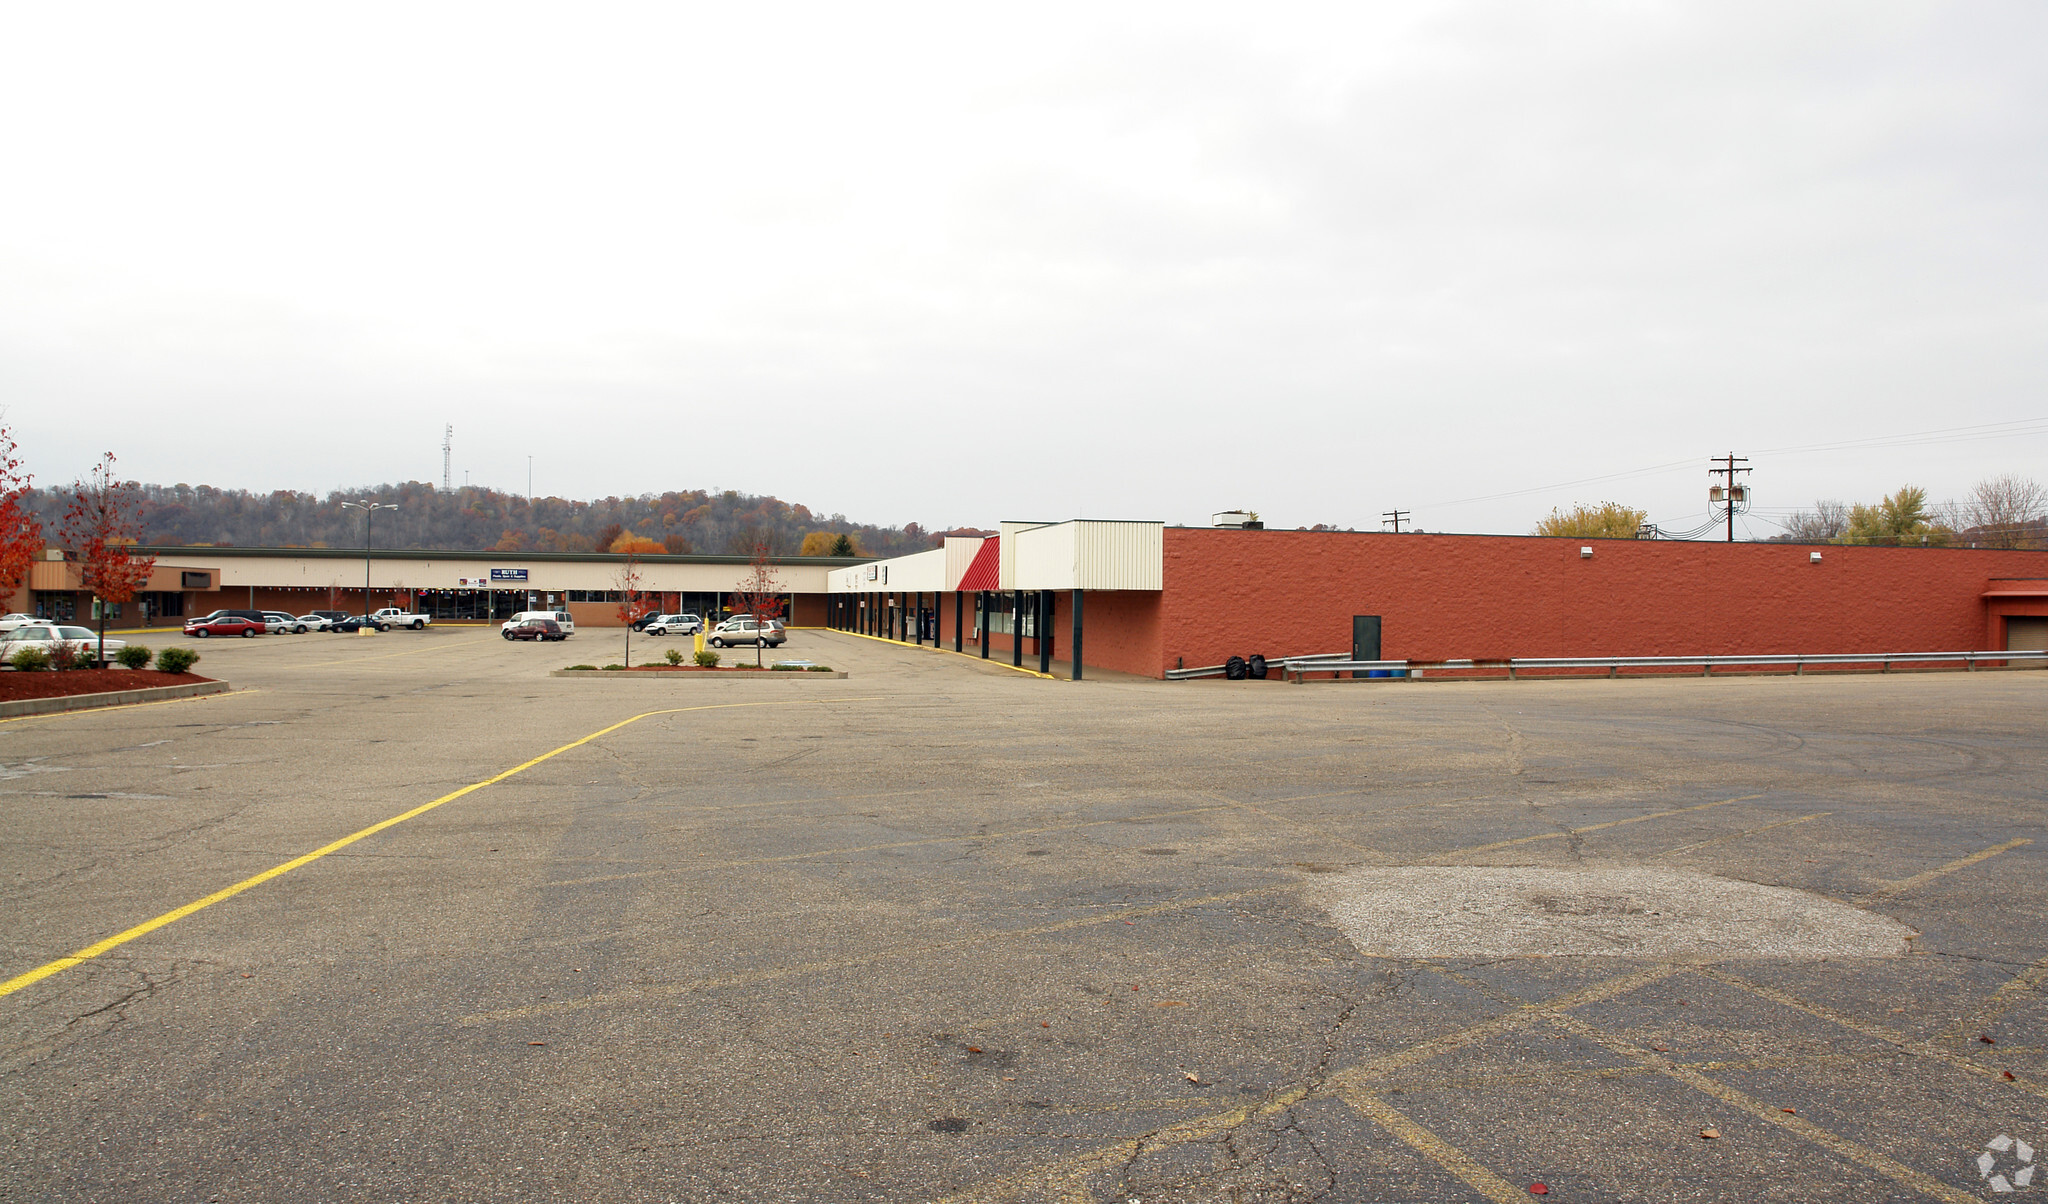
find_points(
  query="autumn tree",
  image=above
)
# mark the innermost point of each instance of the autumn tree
(846, 544)
(759, 593)
(1900, 519)
(1608, 520)
(628, 580)
(1822, 524)
(630, 544)
(99, 528)
(21, 531)
(2002, 512)
(675, 545)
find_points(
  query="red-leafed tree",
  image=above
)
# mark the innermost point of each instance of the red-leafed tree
(759, 593)
(21, 532)
(100, 526)
(629, 599)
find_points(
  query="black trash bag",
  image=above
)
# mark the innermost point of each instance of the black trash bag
(1255, 668)
(1234, 668)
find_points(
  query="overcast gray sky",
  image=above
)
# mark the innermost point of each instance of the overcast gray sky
(959, 264)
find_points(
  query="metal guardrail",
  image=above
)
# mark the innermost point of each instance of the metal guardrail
(1298, 668)
(1217, 670)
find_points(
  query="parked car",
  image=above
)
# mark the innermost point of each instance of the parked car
(561, 617)
(83, 640)
(241, 625)
(351, 623)
(226, 625)
(674, 625)
(10, 622)
(536, 629)
(640, 624)
(277, 622)
(745, 629)
(314, 622)
(254, 616)
(332, 616)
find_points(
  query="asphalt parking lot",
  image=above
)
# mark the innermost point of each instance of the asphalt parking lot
(941, 931)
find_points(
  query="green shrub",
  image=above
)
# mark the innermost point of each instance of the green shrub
(134, 656)
(821, 668)
(30, 659)
(708, 659)
(615, 666)
(785, 668)
(590, 667)
(675, 656)
(176, 660)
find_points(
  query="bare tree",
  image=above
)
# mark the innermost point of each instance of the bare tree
(1822, 524)
(2009, 511)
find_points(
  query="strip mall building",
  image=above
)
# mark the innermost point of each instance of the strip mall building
(1145, 598)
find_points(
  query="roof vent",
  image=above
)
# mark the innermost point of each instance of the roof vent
(1243, 520)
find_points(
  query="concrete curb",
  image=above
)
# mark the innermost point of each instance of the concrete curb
(634, 674)
(111, 698)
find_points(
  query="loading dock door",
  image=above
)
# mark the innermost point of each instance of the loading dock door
(2026, 633)
(1365, 640)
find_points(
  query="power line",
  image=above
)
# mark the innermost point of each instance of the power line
(2013, 429)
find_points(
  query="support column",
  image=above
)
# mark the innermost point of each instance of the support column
(959, 618)
(1074, 644)
(1044, 628)
(981, 612)
(1017, 629)
(917, 616)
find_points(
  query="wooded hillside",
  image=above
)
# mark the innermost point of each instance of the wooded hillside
(476, 518)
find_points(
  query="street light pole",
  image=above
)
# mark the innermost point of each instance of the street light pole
(369, 510)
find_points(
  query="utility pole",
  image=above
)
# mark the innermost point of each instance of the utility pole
(1735, 493)
(1394, 517)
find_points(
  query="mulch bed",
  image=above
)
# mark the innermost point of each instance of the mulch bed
(51, 683)
(698, 669)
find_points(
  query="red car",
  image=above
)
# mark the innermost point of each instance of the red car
(536, 629)
(225, 625)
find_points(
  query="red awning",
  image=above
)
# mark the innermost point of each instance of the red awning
(984, 572)
(2018, 589)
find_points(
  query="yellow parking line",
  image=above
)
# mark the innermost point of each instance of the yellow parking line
(861, 635)
(2004, 997)
(1435, 1148)
(1960, 863)
(1898, 1172)
(1067, 1175)
(1783, 823)
(1615, 823)
(174, 915)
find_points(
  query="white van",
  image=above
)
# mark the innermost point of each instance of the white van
(560, 616)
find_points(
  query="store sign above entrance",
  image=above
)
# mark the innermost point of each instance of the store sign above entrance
(508, 574)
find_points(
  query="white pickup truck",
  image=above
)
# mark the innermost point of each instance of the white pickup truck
(391, 617)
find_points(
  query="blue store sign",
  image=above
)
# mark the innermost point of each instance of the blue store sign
(508, 574)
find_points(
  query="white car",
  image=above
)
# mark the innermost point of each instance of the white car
(312, 623)
(10, 622)
(277, 622)
(83, 640)
(561, 617)
(675, 625)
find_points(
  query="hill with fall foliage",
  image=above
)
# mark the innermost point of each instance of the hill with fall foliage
(475, 518)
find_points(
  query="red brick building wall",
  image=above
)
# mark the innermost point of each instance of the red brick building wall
(1285, 593)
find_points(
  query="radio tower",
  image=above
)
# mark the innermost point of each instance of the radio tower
(447, 452)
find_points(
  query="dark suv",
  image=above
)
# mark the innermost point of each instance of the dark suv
(536, 629)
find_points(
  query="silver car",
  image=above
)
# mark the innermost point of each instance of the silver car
(674, 625)
(745, 629)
